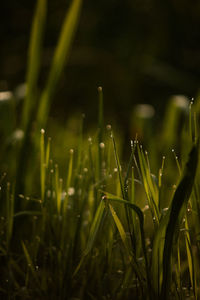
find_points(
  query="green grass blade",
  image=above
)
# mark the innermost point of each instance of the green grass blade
(180, 198)
(47, 155)
(61, 54)
(95, 227)
(70, 168)
(139, 213)
(100, 132)
(34, 58)
(97, 221)
(190, 257)
(157, 253)
(150, 189)
(119, 227)
(29, 262)
(118, 165)
(42, 164)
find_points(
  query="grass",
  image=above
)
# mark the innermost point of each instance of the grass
(96, 225)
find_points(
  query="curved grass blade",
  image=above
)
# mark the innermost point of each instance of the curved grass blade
(125, 242)
(61, 54)
(180, 199)
(140, 215)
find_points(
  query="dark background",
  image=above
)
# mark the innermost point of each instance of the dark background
(140, 51)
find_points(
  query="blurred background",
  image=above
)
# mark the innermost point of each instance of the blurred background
(140, 51)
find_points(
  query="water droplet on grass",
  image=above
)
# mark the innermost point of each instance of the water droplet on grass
(108, 127)
(71, 191)
(102, 145)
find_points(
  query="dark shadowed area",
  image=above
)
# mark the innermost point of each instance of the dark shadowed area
(139, 51)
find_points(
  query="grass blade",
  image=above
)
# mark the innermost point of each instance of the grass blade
(139, 213)
(61, 54)
(119, 227)
(93, 233)
(100, 132)
(34, 58)
(180, 198)
(190, 257)
(29, 262)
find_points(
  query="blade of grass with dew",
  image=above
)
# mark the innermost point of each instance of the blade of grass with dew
(118, 165)
(124, 189)
(42, 164)
(120, 228)
(137, 210)
(68, 181)
(133, 214)
(60, 56)
(34, 59)
(131, 224)
(150, 188)
(122, 234)
(93, 233)
(29, 262)
(100, 132)
(180, 198)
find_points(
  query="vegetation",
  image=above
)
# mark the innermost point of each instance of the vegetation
(92, 226)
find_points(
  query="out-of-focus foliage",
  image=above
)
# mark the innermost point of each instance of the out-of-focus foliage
(140, 51)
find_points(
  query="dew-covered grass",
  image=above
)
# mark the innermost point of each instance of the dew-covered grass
(78, 218)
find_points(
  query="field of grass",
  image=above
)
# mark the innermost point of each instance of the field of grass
(78, 218)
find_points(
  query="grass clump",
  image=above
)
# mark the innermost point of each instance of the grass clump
(104, 231)
(96, 225)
